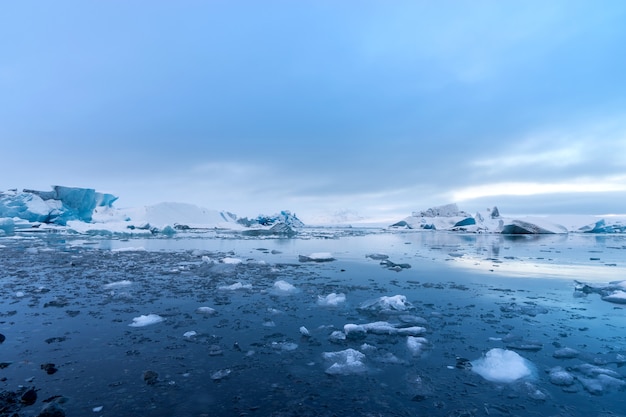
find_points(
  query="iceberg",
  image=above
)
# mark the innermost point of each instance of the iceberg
(57, 206)
(450, 218)
(501, 365)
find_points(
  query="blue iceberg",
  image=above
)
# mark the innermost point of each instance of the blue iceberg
(58, 206)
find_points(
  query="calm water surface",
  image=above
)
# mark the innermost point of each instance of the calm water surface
(472, 293)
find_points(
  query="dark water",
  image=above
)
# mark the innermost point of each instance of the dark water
(472, 293)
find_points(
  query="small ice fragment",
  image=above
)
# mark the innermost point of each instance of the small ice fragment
(337, 336)
(317, 257)
(618, 297)
(377, 256)
(415, 344)
(221, 374)
(97, 409)
(231, 261)
(208, 311)
(387, 305)
(146, 320)
(565, 353)
(501, 365)
(559, 376)
(331, 300)
(304, 331)
(283, 287)
(129, 249)
(236, 286)
(117, 284)
(190, 334)
(20, 294)
(285, 346)
(345, 362)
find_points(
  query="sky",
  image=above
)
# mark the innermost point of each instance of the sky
(370, 109)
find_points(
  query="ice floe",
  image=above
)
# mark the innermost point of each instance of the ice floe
(146, 320)
(381, 327)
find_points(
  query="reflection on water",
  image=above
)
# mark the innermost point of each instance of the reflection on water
(225, 317)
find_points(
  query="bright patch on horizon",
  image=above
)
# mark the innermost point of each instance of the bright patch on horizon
(533, 188)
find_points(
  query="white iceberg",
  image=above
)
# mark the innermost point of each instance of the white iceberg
(501, 365)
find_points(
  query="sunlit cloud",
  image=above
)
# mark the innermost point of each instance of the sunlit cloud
(608, 184)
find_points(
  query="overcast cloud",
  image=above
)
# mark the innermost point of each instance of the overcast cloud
(319, 106)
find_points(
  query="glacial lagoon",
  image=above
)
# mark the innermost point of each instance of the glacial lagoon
(375, 323)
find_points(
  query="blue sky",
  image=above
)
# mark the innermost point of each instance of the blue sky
(319, 106)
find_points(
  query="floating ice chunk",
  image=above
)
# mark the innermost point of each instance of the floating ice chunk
(231, 261)
(618, 297)
(146, 320)
(317, 257)
(377, 256)
(221, 374)
(381, 327)
(304, 331)
(285, 346)
(387, 305)
(20, 294)
(236, 286)
(500, 365)
(337, 336)
(416, 344)
(207, 311)
(565, 353)
(97, 409)
(129, 249)
(117, 284)
(190, 334)
(283, 288)
(559, 376)
(345, 362)
(331, 300)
